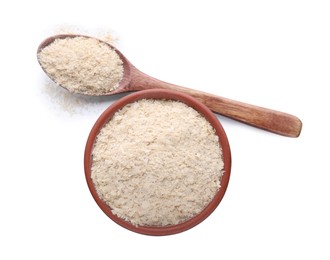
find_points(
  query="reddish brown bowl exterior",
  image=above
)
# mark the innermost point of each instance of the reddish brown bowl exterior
(170, 95)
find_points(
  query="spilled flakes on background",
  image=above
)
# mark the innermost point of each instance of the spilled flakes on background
(68, 103)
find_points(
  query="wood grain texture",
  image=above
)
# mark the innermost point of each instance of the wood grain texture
(264, 118)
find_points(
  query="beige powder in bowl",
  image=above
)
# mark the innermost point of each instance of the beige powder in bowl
(82, 65)
(157, 163)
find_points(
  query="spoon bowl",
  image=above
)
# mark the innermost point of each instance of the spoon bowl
(123, 84)
(135, 80)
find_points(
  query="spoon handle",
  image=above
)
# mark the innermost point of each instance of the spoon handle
(264, 118)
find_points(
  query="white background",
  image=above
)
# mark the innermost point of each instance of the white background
(269, 53)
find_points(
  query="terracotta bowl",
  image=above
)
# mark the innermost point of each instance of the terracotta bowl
(170, 95)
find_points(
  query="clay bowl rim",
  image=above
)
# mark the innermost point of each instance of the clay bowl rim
(170, 95)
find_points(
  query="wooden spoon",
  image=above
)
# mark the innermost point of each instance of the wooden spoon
(264, 118)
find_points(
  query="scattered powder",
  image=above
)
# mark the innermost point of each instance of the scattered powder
(157, 163)
(65, 103)
(82, 65)
(103, 34)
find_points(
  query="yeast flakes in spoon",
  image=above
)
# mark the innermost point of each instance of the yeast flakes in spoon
(82, 65)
